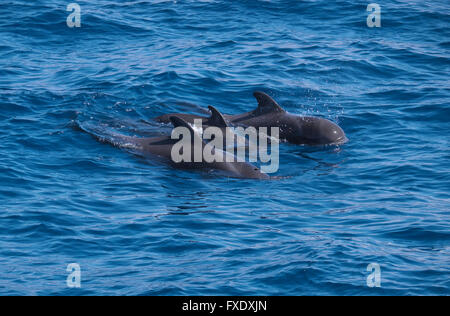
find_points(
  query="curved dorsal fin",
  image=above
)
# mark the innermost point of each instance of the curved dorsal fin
(217, 118)
(266, 104)
(179, 122)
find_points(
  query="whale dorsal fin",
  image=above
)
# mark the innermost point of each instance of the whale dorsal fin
(266, 104)
(179, 122)
(217, 118)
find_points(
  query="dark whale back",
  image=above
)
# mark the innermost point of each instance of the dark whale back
(293, 128)
(161, 148)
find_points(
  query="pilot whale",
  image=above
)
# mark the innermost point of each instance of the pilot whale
(294, 129)
(163, 146)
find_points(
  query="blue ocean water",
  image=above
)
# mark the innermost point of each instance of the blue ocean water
(139, 227)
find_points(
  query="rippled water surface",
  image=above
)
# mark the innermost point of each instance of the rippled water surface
(137, 226)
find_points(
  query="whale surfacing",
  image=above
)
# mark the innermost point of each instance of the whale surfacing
(163, 148)
(307, 130)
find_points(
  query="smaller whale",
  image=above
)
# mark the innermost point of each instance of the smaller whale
(301, 130)
(228, 132)
(162, 147)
